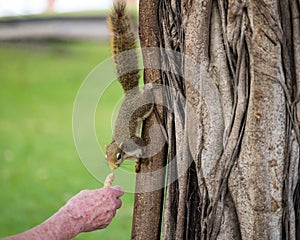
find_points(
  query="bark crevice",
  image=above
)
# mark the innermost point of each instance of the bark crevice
(234, 131)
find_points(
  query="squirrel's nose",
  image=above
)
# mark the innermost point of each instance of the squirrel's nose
(113, 166)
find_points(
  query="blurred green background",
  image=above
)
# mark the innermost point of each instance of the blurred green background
(40, 169)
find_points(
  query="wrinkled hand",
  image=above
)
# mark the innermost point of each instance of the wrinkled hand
(94, 209)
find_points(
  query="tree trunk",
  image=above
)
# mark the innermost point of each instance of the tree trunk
(235, 133)
(148, 205)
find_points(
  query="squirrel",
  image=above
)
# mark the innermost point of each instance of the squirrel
(137, 104)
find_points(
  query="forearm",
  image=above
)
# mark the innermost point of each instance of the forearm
(87, 211)
(60, 226)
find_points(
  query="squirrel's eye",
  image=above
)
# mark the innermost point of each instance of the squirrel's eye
(119, 156)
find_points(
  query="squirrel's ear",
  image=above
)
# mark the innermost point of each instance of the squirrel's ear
(121, 145)
(105, 146)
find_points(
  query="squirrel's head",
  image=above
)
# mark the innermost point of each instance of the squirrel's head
(114, 155)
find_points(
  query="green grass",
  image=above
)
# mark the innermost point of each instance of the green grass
(39, 166)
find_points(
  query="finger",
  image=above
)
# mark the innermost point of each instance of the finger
(118, 203)
(118, 191)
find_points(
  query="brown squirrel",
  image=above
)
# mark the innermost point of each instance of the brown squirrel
(137, 105)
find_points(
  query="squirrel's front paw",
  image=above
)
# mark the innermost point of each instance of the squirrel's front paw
(138, 164)
(138, 167)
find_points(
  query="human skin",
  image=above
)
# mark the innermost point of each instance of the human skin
(87, 211)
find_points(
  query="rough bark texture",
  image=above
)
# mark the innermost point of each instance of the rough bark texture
(148, 206)
(235, 137)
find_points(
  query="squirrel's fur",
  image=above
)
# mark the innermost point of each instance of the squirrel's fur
(123, 39)
(137, 105)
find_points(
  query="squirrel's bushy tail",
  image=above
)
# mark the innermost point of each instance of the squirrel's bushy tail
(123, 39)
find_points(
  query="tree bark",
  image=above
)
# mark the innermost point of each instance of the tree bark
(148, 205)
(235, 136)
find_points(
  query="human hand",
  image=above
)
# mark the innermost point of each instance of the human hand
(93, 209)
